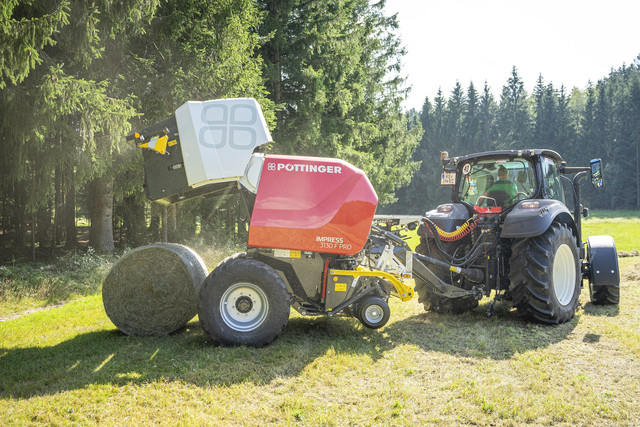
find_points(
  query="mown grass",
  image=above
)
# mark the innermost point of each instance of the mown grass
(69, 365)
(623, 226)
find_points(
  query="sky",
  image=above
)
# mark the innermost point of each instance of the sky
(568, 42)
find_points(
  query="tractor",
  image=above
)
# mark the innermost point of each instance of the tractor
(508, 218)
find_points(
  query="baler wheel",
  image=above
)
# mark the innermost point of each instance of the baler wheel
(374, 312)
(244, 302)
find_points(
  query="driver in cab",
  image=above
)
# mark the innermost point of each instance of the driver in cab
(503, 190)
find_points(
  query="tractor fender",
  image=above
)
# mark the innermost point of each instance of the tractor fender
(534, 218)
(603, 261)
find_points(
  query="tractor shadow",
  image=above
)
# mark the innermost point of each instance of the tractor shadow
(473, 335)
(110, 357)
(601, 310)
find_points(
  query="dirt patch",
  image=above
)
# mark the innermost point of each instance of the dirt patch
(30, 311)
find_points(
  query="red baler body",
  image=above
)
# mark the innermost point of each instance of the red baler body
(312, 204)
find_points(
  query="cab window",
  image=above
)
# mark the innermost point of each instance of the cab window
(552, 188)
(496, 182)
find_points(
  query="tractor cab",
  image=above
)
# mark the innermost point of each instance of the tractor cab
(494, 182)
(493, 185)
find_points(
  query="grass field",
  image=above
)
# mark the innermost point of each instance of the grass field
(70, 365)
(623, 226)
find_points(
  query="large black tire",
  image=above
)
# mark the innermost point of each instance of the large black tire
(244, 302)
(605, 295)
(545, 275)
(436, 303)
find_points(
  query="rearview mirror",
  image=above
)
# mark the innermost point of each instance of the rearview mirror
(596, 173)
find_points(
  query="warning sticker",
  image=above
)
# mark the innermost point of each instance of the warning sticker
(341, 287)
(286, 253)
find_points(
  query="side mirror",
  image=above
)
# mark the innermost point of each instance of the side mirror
(596, 173)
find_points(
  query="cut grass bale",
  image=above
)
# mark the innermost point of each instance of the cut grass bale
(153, 290)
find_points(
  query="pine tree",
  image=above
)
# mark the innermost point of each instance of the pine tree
(513, 120)
(333, 68)
(471, 122)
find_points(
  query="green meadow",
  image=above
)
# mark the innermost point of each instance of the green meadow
(69, 365)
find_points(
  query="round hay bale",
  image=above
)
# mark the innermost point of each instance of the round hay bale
(153, 290)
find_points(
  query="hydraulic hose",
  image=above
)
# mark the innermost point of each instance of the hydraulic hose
(453, 260)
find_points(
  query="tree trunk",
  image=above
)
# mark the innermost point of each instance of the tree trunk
(101, 232)
(165, 214)
(133, 220)
(172, 222)
(70, 211)
(638, 174)
(154, 224)
(57, 210)
(19, 216)
(33, 236)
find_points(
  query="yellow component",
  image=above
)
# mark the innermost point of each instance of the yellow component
(295, 254)
(160, 144)
(449, 234)
(137, 135)
(335, 279)
(455, 269)
(157, 143)
(172, 143)
(341, 287)
(402, 291)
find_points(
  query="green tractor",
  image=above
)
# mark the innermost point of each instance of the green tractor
(509, 222)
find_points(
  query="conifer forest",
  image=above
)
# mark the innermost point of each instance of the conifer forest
(76, 77)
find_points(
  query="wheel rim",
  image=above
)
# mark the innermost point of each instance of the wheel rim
(564, 274)
(244, 307)
(373, 314)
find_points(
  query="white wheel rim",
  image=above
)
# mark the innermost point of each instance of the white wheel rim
(244, 307)
(564, 274)
(374, 314)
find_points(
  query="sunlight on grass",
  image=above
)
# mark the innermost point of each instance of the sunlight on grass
(70, 365)
(623, 226)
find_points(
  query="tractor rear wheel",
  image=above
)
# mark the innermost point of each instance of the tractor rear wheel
(244, 302)
(545, 275)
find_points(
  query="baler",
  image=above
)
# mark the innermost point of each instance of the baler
(312, 243)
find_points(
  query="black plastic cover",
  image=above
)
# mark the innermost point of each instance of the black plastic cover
(603, 261)
(165, 178)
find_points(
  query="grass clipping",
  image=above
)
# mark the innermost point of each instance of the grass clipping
(153, 290)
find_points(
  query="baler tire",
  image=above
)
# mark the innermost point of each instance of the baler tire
(544, 275)
(374, 312)
(244, 302)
